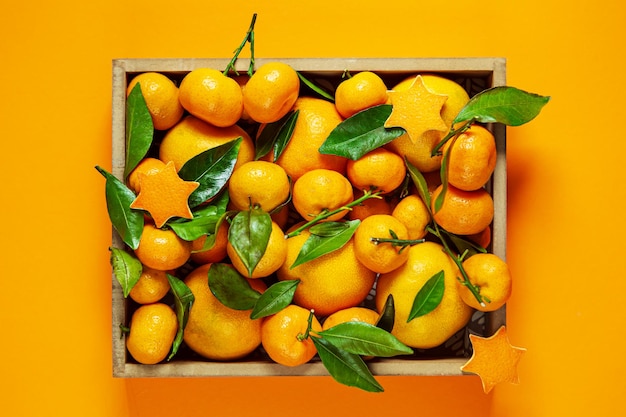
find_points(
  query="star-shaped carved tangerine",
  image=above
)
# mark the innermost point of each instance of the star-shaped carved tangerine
(417, 110)
(164, 195)
(494, 359)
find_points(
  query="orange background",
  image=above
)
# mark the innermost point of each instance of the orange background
(566, 191)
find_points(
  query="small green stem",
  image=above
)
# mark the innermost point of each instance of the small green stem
(124, 330)
(309, 327)
(397, 242)
(452, 133)
(248, 38)
(474, 289)
(324, 214)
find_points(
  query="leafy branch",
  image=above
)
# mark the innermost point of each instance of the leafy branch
(248, 38)
(324, 214)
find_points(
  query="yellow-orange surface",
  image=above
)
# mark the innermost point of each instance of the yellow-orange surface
(566, 199)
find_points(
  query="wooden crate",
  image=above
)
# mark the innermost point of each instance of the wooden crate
(475, 74)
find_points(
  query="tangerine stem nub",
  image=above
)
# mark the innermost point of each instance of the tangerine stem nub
(309, 327)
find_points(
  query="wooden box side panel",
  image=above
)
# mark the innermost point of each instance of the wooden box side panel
(491, 70)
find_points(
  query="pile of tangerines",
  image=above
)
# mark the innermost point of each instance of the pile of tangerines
(398, 240)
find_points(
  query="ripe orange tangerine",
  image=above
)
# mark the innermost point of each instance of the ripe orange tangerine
(271, 92)
(463, 212)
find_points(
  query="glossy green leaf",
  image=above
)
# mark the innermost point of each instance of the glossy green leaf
(462, 244)
(428, 297)
(209, 242)
(361, 133)
(275, 136)
(508, 105)
(221, 201)
(316, 245)
(212, 169)
(231, 288)
(183, 300)
(127, 222)
(387, 317)
(278, 296)
(249, 234)
(139, 129)
(420, 182)
(365, 339)
(345, 367)
(327, 229)
(126, 268)
(315, 88)
(196, 227)
(443, 173)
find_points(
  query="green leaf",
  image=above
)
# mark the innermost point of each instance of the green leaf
(428, 297)
(361, 133)
(212, 169)
(387, 317)
(221, 201)
(275, 136)
(463, 245)
(419, 181)
(507, 105)
(327, 229)
(317, 89)
(443, 174)
(195, 228)
(316, 245)
(127, 269)
(183, 300)
(274, 299)
(230, 288)
(139, 129)
(249, 234)
(345, 367)
(365, 339)
(127, 222)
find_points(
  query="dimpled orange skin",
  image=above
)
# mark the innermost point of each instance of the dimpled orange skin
(271, 260)
(215, 331)
(414, 214)
(380, 257)
(211, 96)
(162, 98)
(192, 136)
(379, 169)
(319, 190)
(359, 92)
(493, 277)
(432, 329)
(258, 182)
(463, 212)
(369, 207)
(152, 331)
(162, 249)
(147, 166)
(215, 253)
(271, 92)
(151, 286)
(472, 158)
(419, 154)
(316, 119)
(360, 314)
(280, 332)
(329, 283)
